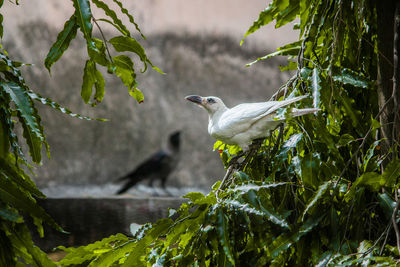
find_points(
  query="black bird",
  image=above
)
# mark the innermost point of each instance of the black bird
(158, 166)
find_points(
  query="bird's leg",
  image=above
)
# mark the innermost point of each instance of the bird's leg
(254, 147)
(228, 173)
(278, 140)
(235, 159)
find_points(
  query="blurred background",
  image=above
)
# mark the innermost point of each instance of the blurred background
(196, 43)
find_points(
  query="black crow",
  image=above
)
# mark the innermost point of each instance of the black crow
(158, 166)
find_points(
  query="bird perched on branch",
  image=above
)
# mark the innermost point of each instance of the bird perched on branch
(158, 166)
(244, 123)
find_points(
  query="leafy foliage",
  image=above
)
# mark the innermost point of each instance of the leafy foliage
(315, 192)
(18, 193)
(98, 50)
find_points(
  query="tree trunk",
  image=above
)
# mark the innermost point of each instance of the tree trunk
(386, 78)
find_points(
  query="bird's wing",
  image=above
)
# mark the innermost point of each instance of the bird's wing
(240, 117)
(147, 167)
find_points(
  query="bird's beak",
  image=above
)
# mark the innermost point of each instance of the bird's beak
(195, 99)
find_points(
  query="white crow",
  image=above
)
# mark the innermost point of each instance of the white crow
(244, 123)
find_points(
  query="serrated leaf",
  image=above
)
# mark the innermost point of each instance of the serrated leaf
(82, 254)
(135, 255)
(265, 17)
(22, 239)
(6, 213)
(223, 235)
(316, 88)
(8, 126)
(349, 77)
(288, 14)
(193, 196)
(111, 13)
(47, 101)
(254, 187)
(130, 17)
(28, 116)
(10, 193)
(23, 104)
(317, 196)
(284, 241)
(289, 144)
(309, 170)
(20, 178)
(292, 49)
(62, 43)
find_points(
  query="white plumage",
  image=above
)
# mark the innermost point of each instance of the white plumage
(246, 122)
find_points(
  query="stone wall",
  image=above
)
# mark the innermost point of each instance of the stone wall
(205, 63)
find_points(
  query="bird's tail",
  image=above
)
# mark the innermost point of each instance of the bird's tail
(285, 102)
(300, 112)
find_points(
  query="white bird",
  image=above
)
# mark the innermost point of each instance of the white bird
(246, 122)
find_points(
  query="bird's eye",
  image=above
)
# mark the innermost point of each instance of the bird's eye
(210, 100)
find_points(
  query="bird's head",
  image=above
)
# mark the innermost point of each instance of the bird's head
(211, 103)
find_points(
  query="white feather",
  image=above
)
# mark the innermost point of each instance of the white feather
(244, 123)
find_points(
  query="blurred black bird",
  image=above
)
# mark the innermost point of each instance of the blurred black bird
(158, 166)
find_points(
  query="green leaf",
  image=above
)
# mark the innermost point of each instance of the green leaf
(99, 85)
(316, 88)
(22, 240)
(134, 258)
(387, 204)
(124, 70)
(391, 174)
(265, 17)
(19, 177)
(111, 13)
(288, 14)
(130, 17)
(351, 78)
(284, 241)
(372, 179)
(62, 43)
(128, 44)
(309, 170)
(292, 49)
(56, 106)
(136, 94)
(89, 79)
(316, 198)
(28, 116)
(82, 254)
(9, 214)
(223, 235)
(11, 194)
(83, 16)
(193, 196)
(289, 144)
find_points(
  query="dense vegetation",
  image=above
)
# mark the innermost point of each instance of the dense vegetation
(320, 191)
